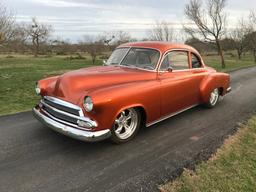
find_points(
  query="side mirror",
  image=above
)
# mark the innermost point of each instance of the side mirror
(104, 62)
(169, 69)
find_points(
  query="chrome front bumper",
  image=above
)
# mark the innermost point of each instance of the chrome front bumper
(83, 135)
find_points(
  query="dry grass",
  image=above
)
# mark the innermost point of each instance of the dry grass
(232, 168)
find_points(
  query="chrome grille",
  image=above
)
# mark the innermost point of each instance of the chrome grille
(61, 107)
(59, 115)
(62, 111)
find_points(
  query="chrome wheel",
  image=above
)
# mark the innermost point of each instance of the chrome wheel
(214, 97)
(126, 123)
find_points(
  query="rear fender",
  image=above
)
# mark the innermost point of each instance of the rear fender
(212, 81)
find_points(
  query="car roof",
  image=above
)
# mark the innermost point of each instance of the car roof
(162, 46)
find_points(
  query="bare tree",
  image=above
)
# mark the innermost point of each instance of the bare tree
(61, 47)
(210, 22)
(114, 38)
(161, 31)
(38, 33)
(238, 36)
(94, 49)
(121, 37)
(7, 21)
(253, 18)
(19, 41)
(107, 38)
(92, 45)
(250, 38)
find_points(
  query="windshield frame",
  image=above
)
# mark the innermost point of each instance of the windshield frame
(135, 67)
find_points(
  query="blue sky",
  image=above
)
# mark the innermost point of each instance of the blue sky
(72, 19)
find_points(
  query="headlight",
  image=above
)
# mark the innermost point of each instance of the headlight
(88, 103)
(38, 90)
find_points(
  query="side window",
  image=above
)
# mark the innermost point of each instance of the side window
(177, 60)
(195, 61)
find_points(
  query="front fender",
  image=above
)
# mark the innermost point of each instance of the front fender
(110, 101)
(212, 81)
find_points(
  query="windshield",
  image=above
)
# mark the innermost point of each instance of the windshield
(117, 56)
(135, 57)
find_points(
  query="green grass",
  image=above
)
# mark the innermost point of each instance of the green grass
(232, 168)
(19, 74)
(18, 77)
(232, 63)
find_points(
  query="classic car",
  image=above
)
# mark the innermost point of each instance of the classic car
(140, 84)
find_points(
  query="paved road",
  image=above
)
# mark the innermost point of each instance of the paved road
(34, 158)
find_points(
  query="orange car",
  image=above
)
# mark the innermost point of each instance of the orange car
(141, 83)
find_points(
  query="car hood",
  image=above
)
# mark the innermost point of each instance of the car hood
(76, 84)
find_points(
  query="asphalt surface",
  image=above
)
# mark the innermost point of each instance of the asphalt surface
(35, 158)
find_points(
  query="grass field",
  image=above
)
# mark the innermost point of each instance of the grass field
(232, 168)
(19, 73)
(232, 63)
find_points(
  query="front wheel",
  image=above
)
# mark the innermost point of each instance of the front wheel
(214, 98)
(126, 125)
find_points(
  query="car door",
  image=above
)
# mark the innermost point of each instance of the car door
(177, 87)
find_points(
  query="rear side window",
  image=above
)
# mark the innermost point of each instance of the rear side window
(196, 63)
(177, 60)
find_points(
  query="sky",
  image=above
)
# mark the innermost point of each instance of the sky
(72, 19)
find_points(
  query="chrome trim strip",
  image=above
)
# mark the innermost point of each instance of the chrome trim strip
(65, 103)
(70, 131)
(93, 123)
(168, 116)
(184, 70)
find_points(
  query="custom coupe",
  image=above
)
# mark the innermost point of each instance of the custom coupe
(141, 84)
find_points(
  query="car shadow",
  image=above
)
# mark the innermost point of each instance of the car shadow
(145, 135)
(143, 130)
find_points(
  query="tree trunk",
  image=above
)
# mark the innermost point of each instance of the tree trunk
(34, 46)
(239, 53)
(254, 54)
(93, 59)
(37, 47)
(220, 53)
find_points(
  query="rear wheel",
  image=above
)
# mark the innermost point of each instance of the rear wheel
(214, 98)
(126, 125)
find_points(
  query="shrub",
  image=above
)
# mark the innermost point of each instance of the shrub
(10, 56)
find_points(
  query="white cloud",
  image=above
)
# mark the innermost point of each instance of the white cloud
(60, 3)
(73, 18)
